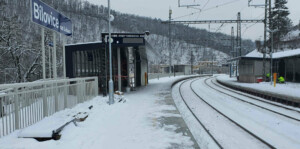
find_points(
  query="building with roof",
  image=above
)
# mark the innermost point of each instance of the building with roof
(250, 67)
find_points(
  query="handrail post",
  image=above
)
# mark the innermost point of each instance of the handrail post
(55, 91)
(78, 93)
(84, 90)
(65, 94)
(45, 105)
(16, 109)
(96, 87)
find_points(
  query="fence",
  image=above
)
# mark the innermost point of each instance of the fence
(161, 75)
(24, 104)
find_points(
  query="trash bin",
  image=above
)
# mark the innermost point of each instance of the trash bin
(127, 89)
(258, 80)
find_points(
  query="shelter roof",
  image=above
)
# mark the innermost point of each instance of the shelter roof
(255, 54)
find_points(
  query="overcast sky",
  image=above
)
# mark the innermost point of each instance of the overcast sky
(211, 9)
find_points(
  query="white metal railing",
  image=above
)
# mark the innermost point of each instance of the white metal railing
(23, 104)
(161, 75)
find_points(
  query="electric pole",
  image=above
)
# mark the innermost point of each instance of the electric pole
(192, 61)
(232, 48)
(265, 41)
(239, 34)
(170, 56)
(271, 37)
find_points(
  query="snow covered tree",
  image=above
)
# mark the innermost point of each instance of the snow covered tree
(15, 56)
(279, 20)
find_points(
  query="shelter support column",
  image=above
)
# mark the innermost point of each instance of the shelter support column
(294, 70)
(285, 65)
(119, 69)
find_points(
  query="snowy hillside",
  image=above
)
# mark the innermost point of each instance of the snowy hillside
(181, 51)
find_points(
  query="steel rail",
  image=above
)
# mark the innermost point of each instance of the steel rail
(234, 122)
(206, 130)
(265, 100)
(284, 115)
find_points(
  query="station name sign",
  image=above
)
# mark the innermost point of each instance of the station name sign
(46, 16)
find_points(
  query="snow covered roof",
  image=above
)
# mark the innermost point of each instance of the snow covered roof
(281, 54)
(288, 53)
(83, 43)
(255, 53)
(291, 35)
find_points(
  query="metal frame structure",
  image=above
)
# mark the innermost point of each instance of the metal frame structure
(238, 21)
(256, 5)
(179, 5)
(212, 21)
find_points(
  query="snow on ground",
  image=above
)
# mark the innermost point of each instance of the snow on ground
(203, 139)
(289, 88)
(139, 123)
(228, 135)
(273, 128)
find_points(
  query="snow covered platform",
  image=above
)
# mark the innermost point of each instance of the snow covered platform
(148, 119)
(287, 93)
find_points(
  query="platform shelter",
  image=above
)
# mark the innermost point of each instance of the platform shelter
(129, 61)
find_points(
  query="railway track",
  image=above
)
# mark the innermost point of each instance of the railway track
(262, 107)
(219, 112)
(206, 130)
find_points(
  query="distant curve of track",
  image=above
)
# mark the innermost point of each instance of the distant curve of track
(220, 113)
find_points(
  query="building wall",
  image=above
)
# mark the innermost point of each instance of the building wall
(187, 70)
(258, 70)
(251, 70)
(292, 69)
(246, 67)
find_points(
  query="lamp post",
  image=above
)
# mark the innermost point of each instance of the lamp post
(110, 83)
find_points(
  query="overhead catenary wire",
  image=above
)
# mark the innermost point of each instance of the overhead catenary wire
(202, 8)
(214, 7)
(252, 24)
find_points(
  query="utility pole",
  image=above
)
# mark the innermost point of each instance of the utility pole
(239, 41)
(265, 41)
(271, 37)
(192, 61)
(239, 34)
(212, 57)
(170, 56)
(232, 48)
